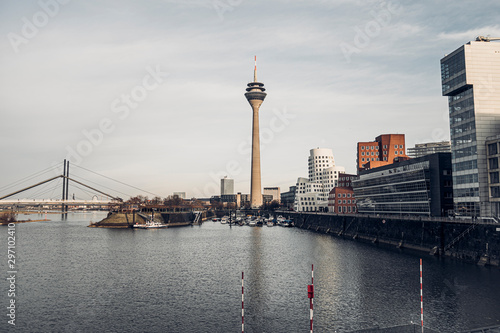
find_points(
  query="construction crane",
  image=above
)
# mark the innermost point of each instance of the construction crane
(486, 39)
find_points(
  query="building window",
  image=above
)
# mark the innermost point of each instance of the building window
(362, 153)
(493, 162)
(494, 179)
(385, 152)
(385, 146)
(385, 158)
(400, 146)
(396, 152)
(495, 192)
(492, 149)
(395, 146)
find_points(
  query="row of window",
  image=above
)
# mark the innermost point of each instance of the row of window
(346, 209)
(376, 147)
(463, 152)
(465, 179)
(467, 165)
(346, 201)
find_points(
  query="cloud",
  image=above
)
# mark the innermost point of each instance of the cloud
(471, 34)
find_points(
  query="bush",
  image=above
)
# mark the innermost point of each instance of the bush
(7, 217)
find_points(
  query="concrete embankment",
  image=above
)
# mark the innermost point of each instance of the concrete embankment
(465, 240)
(127, 220)
(119, 220)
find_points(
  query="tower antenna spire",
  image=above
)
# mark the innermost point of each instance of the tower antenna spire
(255, 70)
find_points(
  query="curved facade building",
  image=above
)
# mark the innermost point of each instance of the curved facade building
(312, 193)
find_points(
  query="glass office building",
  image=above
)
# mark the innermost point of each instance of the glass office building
(419, 186)
(470, 78)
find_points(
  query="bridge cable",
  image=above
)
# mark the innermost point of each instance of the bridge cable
(116, 180)
(89, 181)
(36, 174)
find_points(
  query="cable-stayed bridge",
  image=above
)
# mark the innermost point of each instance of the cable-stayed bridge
(44, 194)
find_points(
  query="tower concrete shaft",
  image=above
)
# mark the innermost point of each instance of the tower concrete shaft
(255, 95)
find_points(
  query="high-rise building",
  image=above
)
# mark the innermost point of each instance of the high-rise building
(470, 78)
(312, 193)
(386, 149)
(422, 149)
(226, 186)
(255, 96)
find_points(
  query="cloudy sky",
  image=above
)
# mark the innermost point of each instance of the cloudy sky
(151, 92)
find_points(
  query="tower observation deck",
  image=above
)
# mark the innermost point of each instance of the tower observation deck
(255, 95)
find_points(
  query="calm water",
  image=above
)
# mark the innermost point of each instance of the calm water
(77, 279)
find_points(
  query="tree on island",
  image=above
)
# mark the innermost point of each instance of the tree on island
(7, 217)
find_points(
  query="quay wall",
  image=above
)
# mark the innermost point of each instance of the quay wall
(468, 240)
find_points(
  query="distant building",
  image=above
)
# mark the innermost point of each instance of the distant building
(274, 192)
(386, 149)
(267, 198)
(226, 186)
(470, 79)
(312, 193)
(288, 198)
(422, 149)
(492, 156)
(181, 195)
(419, 186)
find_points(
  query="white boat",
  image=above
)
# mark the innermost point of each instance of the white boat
(150, 225)
(252, 223)
(270, 223)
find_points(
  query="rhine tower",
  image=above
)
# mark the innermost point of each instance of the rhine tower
(255, 95)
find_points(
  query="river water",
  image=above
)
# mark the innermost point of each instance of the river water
(71, 278)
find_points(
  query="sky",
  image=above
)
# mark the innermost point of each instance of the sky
(151, 93)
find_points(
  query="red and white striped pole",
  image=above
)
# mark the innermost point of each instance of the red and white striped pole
(242, 304)
(310, 294)
(421, 299)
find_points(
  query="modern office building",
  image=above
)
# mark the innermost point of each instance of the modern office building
(255, 96)
(312, 193)
(418, 186)
(274, 192)
(386, 149)
(226, 186)
(493, 156)
(288, 198)
(470, 78)
(422, 149)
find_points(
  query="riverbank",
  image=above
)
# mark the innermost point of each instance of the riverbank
(468, 241)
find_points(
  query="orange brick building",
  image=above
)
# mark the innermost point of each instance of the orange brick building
(386, 149)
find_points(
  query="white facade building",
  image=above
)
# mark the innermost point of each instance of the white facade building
(312, 193)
